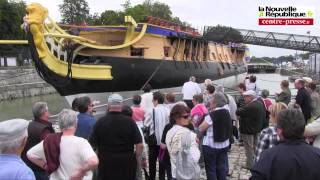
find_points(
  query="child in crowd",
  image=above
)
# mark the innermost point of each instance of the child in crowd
(199, 110)
(266, 100)
(138, 112)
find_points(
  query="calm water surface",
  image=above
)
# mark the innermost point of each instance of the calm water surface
(21, 108)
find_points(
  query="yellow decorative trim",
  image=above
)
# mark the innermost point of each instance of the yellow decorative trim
(79, 71)
(35, 19)
(131, 23)
(13, 42)
(75, 26)
(67, 36)
(93, 44)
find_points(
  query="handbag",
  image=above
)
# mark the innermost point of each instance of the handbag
(162, 153)
(235, 130)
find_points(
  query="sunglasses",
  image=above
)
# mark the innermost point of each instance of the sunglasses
(185, 116)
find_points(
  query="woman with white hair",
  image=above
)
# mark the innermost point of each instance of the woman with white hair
(217, 126)
(64, 155)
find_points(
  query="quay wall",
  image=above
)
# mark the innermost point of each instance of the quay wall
(22, 82)
(290, 72)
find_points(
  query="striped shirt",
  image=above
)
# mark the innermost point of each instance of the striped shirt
(208, 139)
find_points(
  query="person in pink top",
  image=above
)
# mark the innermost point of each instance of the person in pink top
(137, 111)
(199, 110)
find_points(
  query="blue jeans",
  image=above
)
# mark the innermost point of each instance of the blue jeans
(216, 162)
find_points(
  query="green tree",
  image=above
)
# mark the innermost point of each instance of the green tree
(305, 55)
(94, 20)
(110, 17)
(160, 10)
(223, 34)
(126, 5)
(74, 11)
(11, 18)
(138, 12)
(150, 8)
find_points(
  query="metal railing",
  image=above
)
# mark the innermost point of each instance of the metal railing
(127, 102)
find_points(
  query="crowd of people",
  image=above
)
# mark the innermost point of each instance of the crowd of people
(281, 138)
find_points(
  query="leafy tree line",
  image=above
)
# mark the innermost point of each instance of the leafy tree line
(280, 59)
(223, 34)
(11, 17)
(77, 11)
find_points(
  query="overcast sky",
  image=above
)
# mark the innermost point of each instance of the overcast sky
(235, 13)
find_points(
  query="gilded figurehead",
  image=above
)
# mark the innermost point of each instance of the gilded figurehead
(35, 18)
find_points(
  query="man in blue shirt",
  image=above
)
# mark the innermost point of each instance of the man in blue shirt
(86, 120)
(13, 137)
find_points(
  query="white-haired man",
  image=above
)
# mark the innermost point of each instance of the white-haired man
(13, 137)
(189, 89)
(65, 155)
(39, 128)
(251, 121)
(114, 136)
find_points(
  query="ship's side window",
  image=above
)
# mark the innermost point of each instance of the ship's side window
(136, 51)
(166, 51)
(222, 65)
(205, 54)
(214, 56)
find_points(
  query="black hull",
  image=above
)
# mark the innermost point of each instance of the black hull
(132, 73)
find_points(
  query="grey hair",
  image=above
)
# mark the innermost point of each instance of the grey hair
(292, 122)
(38, 109)
(7, 147)
(192, 78)
(207, 82)
(265, 93)
(220, 89)
(67, 119)
(114, 107)
(220, 99)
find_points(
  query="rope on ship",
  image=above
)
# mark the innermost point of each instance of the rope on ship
(151, 76)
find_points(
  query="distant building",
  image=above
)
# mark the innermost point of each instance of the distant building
(8, 62)
(314, 63)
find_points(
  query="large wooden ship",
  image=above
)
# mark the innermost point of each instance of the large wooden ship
(91, 59)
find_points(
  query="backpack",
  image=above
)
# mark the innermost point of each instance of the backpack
(186, 167)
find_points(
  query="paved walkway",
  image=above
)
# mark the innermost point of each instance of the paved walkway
(237, 159)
